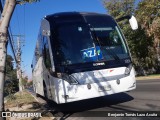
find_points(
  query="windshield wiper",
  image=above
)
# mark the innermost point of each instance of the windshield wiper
(113, 54)
(95, 40)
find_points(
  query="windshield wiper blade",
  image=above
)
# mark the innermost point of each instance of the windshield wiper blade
(113, 54)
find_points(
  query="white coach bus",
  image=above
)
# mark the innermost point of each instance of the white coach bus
(80, 56)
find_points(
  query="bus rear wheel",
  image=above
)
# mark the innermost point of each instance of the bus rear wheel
(45, 90)
(37, 95)
(35, 91)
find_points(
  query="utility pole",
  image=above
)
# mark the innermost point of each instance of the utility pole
(19, 43)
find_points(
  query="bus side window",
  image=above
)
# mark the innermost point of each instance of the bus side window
(46, 55)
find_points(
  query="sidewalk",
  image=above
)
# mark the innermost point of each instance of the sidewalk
(150, 77)
(25, 101)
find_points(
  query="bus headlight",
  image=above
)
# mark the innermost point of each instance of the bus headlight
(69, 78)
(128, 69)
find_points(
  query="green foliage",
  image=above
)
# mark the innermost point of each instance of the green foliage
(11, 86)
(148, 14)
(120, 8)
(11, 82)
(29, 84)
(9, 64)
(24, 81)
(143, 43)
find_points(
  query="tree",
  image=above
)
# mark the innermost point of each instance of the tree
(148, 14)
(4, 22)
(24, 81)
(119, 8)
(141, 45)
(9, 64)
(11, 81)
(30, 83)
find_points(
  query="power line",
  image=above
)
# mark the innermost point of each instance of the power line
(17, 20)
(24, 19)
(12, 44)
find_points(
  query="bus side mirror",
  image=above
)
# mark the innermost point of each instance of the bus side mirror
(133, 22)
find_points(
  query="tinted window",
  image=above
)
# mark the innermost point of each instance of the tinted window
(97, 38)
(108, 37)
(46, 54)
(73, 38)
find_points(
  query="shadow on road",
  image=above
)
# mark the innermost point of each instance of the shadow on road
(68, 109)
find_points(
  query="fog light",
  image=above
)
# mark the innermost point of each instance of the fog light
(65, 96)
(89, 86)
(118, 81)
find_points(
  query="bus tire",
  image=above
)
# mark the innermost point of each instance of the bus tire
(35, 91)
(45, 90)
(37, 95)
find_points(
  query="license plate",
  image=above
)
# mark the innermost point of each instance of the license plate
(104, 88)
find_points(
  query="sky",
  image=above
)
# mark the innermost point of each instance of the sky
(26, 21)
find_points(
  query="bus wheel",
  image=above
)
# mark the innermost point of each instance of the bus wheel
(37, 95)
(45, 90)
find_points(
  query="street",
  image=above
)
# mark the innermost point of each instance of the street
(146, 97)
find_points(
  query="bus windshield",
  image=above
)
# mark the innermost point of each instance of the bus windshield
(89, 42)
(110, 43)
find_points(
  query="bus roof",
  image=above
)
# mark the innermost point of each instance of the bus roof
(72, 14)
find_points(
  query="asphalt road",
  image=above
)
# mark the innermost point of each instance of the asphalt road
(146, 97)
